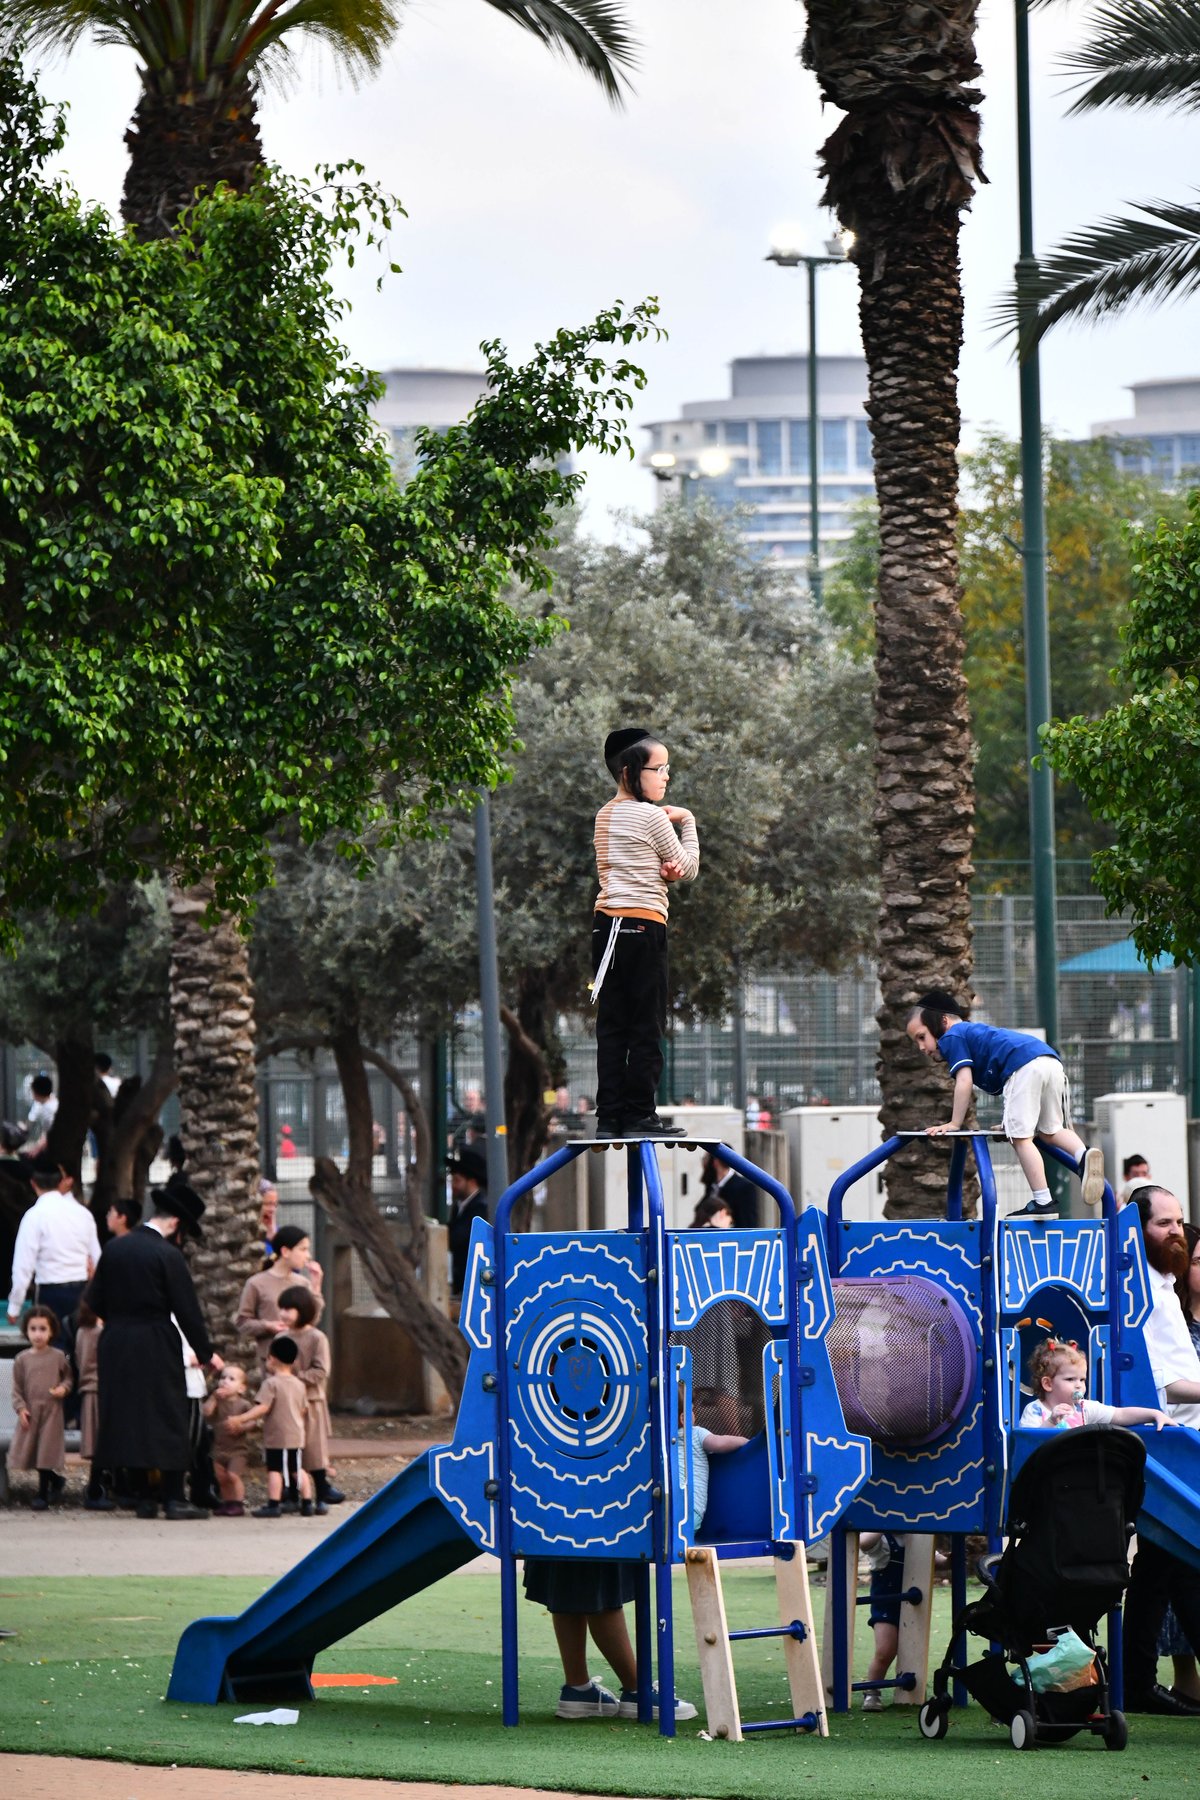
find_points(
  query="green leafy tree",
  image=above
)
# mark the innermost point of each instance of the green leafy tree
(1139, 53)
(900, 168)
(202, 62)
(1090, 505)
(224, 621)
(1138, 765)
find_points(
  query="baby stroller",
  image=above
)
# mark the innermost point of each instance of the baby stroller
(1071, 1515)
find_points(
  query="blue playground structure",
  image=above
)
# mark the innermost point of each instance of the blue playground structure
(890, 1356)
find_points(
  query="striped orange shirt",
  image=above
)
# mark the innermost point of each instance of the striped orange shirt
(633, 838)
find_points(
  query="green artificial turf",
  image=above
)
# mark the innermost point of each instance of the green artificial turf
(89, 1670)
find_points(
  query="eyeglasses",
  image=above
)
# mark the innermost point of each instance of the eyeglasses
(658, 769)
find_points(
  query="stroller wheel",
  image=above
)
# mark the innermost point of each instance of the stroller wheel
(933, 1720)
(1023, 1731)
(1116, 1732)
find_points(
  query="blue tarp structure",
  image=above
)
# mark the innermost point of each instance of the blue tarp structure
(1121, 958)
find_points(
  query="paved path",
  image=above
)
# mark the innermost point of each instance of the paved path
(79, 1543)
(50, 1777)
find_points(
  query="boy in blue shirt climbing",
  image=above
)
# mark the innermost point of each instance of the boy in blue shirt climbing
(1030, 1076)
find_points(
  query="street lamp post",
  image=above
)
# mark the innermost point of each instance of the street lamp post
(1033, 560)
(786, 252)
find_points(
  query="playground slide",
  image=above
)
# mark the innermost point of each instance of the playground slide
(1171, 1508)
(402, 1540)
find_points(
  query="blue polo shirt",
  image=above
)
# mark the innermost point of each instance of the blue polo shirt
(991, 1054)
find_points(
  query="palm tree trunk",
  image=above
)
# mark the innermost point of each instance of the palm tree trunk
(900, 169)
(212, 1007)
(924, 798)
(179, 141)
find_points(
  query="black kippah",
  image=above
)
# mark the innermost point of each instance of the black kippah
(616, 741)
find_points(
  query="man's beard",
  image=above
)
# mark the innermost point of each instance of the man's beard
(1169, 1256)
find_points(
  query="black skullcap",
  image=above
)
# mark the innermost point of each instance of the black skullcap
(616, 741)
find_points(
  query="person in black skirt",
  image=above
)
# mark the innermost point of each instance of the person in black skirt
(589, 1598)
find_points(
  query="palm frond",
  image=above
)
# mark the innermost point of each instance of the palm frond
(1109, 266)
(595, 33)
(1140, 53)
(357, 32)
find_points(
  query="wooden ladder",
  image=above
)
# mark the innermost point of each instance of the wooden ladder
(714, 1643)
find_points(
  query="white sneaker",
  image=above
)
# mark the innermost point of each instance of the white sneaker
(1093, 1177)
(629, 1705)
(873, 1701)
(590, 1702)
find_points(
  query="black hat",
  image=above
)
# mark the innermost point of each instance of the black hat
(469, 1162)
(616, 741)
(181, 1202)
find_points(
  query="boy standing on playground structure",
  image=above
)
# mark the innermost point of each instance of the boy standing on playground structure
(637, 854)
(1030, 1076)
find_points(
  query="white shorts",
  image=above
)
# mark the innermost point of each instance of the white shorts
(1037, 1098)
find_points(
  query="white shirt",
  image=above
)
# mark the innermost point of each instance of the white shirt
(56, 1239)
(1170, 1348)
(41, 1116)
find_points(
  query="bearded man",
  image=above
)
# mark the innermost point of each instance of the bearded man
(1157, 1575)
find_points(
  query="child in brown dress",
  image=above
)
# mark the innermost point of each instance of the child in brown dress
(87, 1349)
(41, 1382)
(298, 1309)
(291, 1265)
(228, 1401)
(279, 1403)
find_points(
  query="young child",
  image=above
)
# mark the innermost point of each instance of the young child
(1028, 1073)
(298, 1310)
(87, 1346)
(291, 1265)
(704, 1444)
(227, 1401)
(41, 1382)
(637, 855)
(279, 1403)
(884, 1551)
(1058, 1373)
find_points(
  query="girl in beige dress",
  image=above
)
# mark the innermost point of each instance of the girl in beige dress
(87, 1346)
(41, 1382)
(291, 1265)
(298, 1306)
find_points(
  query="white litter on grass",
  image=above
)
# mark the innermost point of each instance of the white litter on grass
(282, 1715)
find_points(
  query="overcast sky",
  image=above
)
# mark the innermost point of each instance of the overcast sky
(532, 203)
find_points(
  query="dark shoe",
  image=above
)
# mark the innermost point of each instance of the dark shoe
(229, 1509)
(183, 1509)
(41, 1504)
(99, 1503)
(58, 1485)
(331, 1496)
(651, 1126)
(306, 1509)
(290, 1503)
(146, 1509)
(272, 1510)
(608, 1128)
(320, 1509)
(1032, 1211)
(1164, 1701)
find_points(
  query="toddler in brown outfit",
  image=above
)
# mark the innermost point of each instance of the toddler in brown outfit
(41, 1382)
(228, 1401)
(298, 1310)
(280, 1403)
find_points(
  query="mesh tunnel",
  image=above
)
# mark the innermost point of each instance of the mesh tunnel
(903, 1356)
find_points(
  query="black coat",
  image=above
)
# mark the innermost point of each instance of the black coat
(140, 1281)
(458, 1230)
(741, 1197)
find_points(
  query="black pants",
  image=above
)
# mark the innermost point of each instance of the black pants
(1156, 1578)
(631, 1018)
(62, 1297)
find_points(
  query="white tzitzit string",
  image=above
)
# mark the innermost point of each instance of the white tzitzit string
(606, 959)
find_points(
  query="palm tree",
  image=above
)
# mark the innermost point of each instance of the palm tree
(201, 61)
(1140, 53)
(196, 125)
(899, 171)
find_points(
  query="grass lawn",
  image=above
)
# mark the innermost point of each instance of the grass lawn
(87, 1675)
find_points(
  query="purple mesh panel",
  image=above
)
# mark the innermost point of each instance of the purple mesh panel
(903, 1358)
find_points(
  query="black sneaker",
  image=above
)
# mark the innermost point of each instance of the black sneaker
(333, 1496)
(272, 1510)
(183, 1509)
(306, 1509)
(99, 1503)
(608, 1128)
(651, 1126)
(1033, 1211)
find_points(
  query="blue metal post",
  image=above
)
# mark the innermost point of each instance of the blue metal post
(660, 1439)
